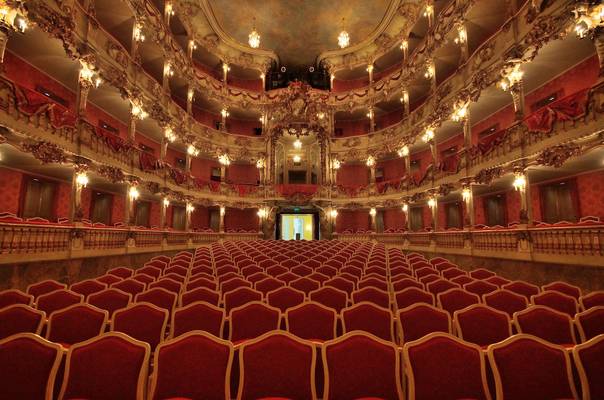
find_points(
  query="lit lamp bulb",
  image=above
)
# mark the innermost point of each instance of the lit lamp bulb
(133, 193)
(460, 112)
(405, 45)
(192, 45)
(260, 163)
(190, 208)
(168, 70)
(336, 164)
(297, 144)
(429, 135)
(138, 34)
(222, 210)
(262, 213)
(224, 159)
(462, 35)
(224, 112)
(404, 151)
(169, 134)
(254, 39)
(405, 97)
(166, 202)
(343, 39)
(405, 207)
(373, 212)
(190, 94)
(466, 194)
(429, 70)
(333, 213)
(431, 202)
(519, 182)
(137, 110)
(192, 150)
(370, 161)
(320, 115)
(82, 179)
(297, 158)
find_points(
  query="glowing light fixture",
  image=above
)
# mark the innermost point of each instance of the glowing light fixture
(137, 110)
(260, 163)
(372, 211)
(138, 33)
(460, 111)
(333, 213)
(405, 97)
(133, 193)
(82, 179)
(343, 37)
(166, 202)
(405, 207)
(336, 164)
(11, 18)
(222, 211)
(224, 112)
(262, 213)
(190, 208)
(587, 20)
(169, 134)
(297, 144)
(169, 9)
(428, 135)
(511, 77)
(190, 94)
(297, 158)
(254, 37)
(405, 45)
(192, 150)
(432, 202)
(88, 76)
(224, 159)
(403, 151)
(192, 45)
(320, 115)
(462, 35)
(430, 70)
(519, 182)
(370, 161)
(466, 194)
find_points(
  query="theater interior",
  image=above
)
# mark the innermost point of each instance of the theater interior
(273, 199)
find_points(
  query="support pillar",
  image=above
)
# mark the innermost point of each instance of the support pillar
(190, 98)
(517, 92)
(372, 174)
(599, 43)
(131, 197)
(225, 72)
(165, 203)
(370, 72)
(3, 43)
(222, 212)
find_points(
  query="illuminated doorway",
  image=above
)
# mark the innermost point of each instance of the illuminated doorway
(297, 227)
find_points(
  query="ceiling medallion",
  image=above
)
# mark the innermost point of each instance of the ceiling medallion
(254, 37)
(343, 37)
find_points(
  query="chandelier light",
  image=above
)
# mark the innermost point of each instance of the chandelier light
(430, 71)
(190, 208)
(82, 179)
(254, 37)
(11, 18)
(297, 144)
(137, 110)
(224, 159)
(587, 19)
(511, 77)
(166, 202)
(133, 193)
(137, 33)
(192, 45)
(168, 70)
(372, 211)
(222, 211)
(405, 97)
(428, 135)
(403, 151)
(333, 213)
(192, 150)
(190, 94)
(462, 35)
(370, 161)
(519, 182)
(405, 207)
(466, 194)
(432, 202)
(405, 45)
(169, 134)
(224, 112)
(88, 75)
(460, 111)
(343, 37)
(297, 158)
(169, 9)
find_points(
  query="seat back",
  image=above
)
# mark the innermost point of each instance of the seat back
(10, 297)
(57, 300)
(88, 287)
(44, 287)
(28, 367)
(130, 285)
(285, 297)
(373, 295)
(506, 301)
(277, 364)
(195, 365)
(20, 318)
(110, 366)
(76, 324)
(557, 301)
(198, 316)
(563, 287)
(252, 320)
(142, 321)
(160, 297)
(588, 358)
(199, 294)
(360, 365)
(419, 320)
(240, 297)
(522, 288)
(369, 317)
(590, 323)
(482, 325)
(591, 300)
(462, 376)
(545, 323)
(456, 299)
(330, 297)
(110, 300)
(527, 367)
(311, 321)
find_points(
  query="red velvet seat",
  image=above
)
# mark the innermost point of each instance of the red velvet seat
(268, 285)
(482, 325)
(305, 285)
(276, 270)
(311, 321)
(198, 316)
(251, 270)
(10, 297)
(240, 297)
(158, 296)
(158, 263)
(592, 300)
(369, 317)
(341, 283)
(374, 282)
(547, 324)
(330, 297)
(110, 300)
(589, 359)
(168, 284)
(359, 365)
(121, 272)
(418, 320)
(400, 271)
(277, 365)
(176, 269)
(302, 270)
(234, 283)
(480, 287)
(252, 320)
(319, 277)
(481, 273)
(462, 279)
(195, 365)
(143, 278)
(57, 300)
(20, 318)
(506, 301)
(88, 287)
(405, 283)
(372, 295)
(440, 285)
(456, 299)
(452, 272)
(523, 288)
(287, 277)
(424, 271)
(76, 324)
(327, 270)
(153, 272)
(590, 323)
(28, 367)
(198, 282)
(110, 366)
(526, 367)
(557, 301)
(412, 295)
(202, 269)
(285, 297)
(498, 281)
(130, 285)
(142, 321)
(44, 287)
(257, 277)
(441, 366)
(175, 277)
(563, 287)
(199, 294)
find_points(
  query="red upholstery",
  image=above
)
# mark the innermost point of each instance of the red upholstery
(285, 297)
(44, 287)
(251, 270)
(158, 296)
(456, 299)
(411, 296)
(506, 301)
(557, 301)
(589, 359)
(481, 273)
(548, 324)
(88, 287)
(424, 280)
(130, 285)
(440, 285)
(497, 281)
(372, 295)
(305, 285)
(252, 320)
(462, 279)
(590, 323)
(76, 324)
(110, 300)
(277, 365)
(57, 300)
(268, 285)
(142, 321)
(20, 318)
(149, 270)
(373, 282)
(199, 294)
(527, 368)
(452, 272)
(311, 321)
(480, 287)
(419, 320)
(358, 365)
(330, 297)
(28, 367)
(287, 277)
(234, 283)
(592, 300)
(276, 270)
(425, 271)
(370, 318)
(199, 316)
(143, 278)
(327, 270)
(565, 288)
(405, 283)
(168, 284)
(111, 366)
(121, 272)
(10, 297)
(201, 282)
(341, 284)
(239, 297)
(193, 366)
(482, 325)
(523, 288)
(441, 366)
(319, 277)
(176, 269)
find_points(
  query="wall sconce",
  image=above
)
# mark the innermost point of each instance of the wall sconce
(587, 20)
(222, 211)
(260, 163)
(370, 113)
(192, 45)
(137, 33)
(190, 208)
(262, 213)
(88, 76)
(336, 164)
(372, 211)
(462, 35)
(405, 97)
(430, 70)
(224, 112)
(137, 110)
(519, 182)
(133, 193)
(405, 208)
(429, 11)
(192, 150)
(169, 9)
(169, 134)
(82, 179)
(405, 47)
(168, 70)
(432, 203)
(225, 68)
(428, 135)
(460, 111)
(190, 95)
(466, 194)
(333, 213)
(369, 68)
(224, 159)
(166, 202)
(11, 18)
(403, 151)
(511, 77)
(370, 161)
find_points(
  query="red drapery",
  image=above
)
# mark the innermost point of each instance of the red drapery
(565, 109)
(290, 190)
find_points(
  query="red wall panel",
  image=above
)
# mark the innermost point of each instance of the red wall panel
(242, 173)
(394, 218)
(591, 194)
(10, 187)
(118, 209)
(353, 220)
(235, 219)
(353, 174)
(393, 169)
(200, 219)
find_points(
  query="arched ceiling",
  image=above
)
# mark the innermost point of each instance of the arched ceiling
(299, 30)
